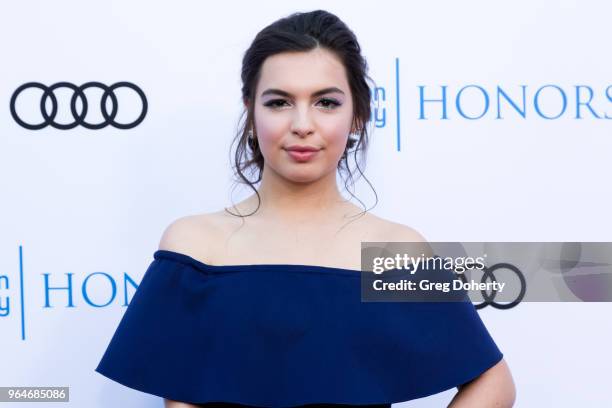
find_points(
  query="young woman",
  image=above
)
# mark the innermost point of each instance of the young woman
(257, 304)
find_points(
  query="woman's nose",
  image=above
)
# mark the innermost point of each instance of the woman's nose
(302, 122)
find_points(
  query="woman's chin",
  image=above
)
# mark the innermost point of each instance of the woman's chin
(302, 176)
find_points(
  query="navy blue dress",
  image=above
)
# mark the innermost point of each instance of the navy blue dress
(287, 335)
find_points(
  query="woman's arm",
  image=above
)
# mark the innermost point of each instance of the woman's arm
(492, 389)
(176, 404)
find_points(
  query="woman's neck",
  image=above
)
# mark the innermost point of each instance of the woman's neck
(292, 203)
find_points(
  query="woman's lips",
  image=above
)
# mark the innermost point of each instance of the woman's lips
(302, 156)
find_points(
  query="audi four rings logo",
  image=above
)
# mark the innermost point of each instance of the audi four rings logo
(489, 300)
(78, 94)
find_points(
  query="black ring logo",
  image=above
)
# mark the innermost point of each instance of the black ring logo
(489, 300)
(79, 118)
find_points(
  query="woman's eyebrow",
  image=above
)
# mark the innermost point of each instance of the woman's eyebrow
(273, 91)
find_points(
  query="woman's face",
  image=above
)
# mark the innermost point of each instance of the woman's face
(303, 100)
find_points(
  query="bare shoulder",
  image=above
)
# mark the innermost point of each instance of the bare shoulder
(390, 231)
(402, 232)
(192, 235)
(394, 231)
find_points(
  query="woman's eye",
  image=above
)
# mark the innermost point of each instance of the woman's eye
(329, 103)
(275, 103)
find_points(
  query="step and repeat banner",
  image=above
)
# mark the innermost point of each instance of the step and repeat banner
(492, 123)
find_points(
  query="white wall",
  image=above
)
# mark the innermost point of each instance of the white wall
(83, 201)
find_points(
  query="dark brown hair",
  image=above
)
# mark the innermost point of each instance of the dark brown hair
(303, 32)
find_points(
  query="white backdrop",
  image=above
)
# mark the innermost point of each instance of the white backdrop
(79, 202)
